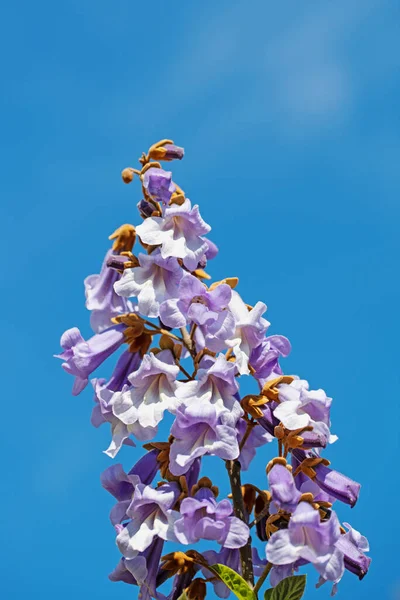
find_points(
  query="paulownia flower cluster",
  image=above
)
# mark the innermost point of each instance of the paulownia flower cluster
(183, 345)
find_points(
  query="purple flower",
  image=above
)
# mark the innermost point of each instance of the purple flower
(310, 539)
(353, 545)
(195, 303)
(122, 485)
(127, 363)
(152, 391)
(159, 185)
(141, 570)
(178, 233)
(300, 408)
(151, 516)
(153, 282)
(83, 357)
(283, 488)
(258, 437)
(101, 298)
(264, 358)
(268, 421)
(249, 332)
(216, 385)
(202, 517)
(201, 429)
(330, 481)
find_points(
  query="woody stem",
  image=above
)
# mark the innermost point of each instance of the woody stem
(246, 559)
(263, 577)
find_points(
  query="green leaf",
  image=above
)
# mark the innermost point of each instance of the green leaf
(183, 596)
(234, 582)
(291, 588)
(268, 594)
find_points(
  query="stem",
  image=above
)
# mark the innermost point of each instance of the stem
(263, 577)
(163, 331)
(187, 339)
(233, 468)
(183, 370)
(249, 429)
(260, 516)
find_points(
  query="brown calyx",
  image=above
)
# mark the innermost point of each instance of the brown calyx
(125, 237)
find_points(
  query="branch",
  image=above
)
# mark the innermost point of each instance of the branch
(233, 468)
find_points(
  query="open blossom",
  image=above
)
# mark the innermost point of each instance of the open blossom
(152, 391)
(300, 407)
(310, 539)
(250, 328)
(159, 185)
(202, 517)
(195, 303)
(127, 363)
(201, 429)
(264, 359)
(101, 298)
(141, 570)
(137, 409)
(178, 233)
(216, 385)
(151, 513)
(311, 439)
(154, 281)
(81, 357)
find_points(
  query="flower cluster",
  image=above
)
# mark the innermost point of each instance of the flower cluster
(183, 345)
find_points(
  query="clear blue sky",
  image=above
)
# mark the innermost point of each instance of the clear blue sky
(289, 114)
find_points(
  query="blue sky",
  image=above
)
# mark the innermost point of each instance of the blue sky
(289, 116)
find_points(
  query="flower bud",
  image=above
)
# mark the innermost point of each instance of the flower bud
(127, 175)
(197, 590)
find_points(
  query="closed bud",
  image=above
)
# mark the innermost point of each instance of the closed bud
(127, 175)
(197, 590)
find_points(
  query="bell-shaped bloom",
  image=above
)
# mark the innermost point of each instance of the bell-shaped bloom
(152, 515)
(258, 437)
(142, 570)
(178, 233)
(216, 384)
(265, 358)
(154, 281)
(82, 357)
(159, 185)
(349, 551)
(101, 298)
(268, 421)
(330, 481)
(152, 391)
(353, 545)
(250, 328)
(122, 485)
(202, 517)
(300, 407)
(283, 488)
(201, 429)
(127, 363)
(207, 309)
(310, 539)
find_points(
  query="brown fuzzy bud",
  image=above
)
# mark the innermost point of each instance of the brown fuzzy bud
(127, 175)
